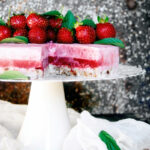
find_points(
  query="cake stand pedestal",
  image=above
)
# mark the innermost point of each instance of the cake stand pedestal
(46, 123)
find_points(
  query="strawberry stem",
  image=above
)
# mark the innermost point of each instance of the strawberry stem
(9, 14)
(79, 19)
(103, 19)
(61, 9)
(78, 24)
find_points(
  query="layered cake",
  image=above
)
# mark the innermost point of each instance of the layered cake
(39, 60)
(60, 45)
(87, 60)
(29, 59)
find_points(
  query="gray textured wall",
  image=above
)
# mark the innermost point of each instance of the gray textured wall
(132, 21)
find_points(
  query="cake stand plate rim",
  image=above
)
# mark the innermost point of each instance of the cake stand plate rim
(123, 72)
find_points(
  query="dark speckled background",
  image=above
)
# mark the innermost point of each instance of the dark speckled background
(131, 18)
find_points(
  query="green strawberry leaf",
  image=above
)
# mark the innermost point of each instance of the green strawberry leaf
(52, 13)
(13, 75)
(17, 39)
(109, 141)
(111, 41)
(89, 22)
(2, 22)
(69, 20)
(106, 19)
(103, 19)
(98, 18)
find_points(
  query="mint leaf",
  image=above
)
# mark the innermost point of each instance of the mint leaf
(111, 41)
(69, 20)
(17, 39)
(52, 13)
(89, 22)
(13, 75)
(22, 38)
(2, 22)
(109, 141)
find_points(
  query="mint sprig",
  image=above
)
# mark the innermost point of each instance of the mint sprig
(16, 39)
(2, 22)
(109, 141)
(16, 75)
(89, 22)
(53, 13)
(111, 41)
(69, 20)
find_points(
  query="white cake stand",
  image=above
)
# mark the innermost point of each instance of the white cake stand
(46, 123)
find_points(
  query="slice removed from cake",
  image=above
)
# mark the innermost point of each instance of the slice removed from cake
(87, 60)
(30, 59)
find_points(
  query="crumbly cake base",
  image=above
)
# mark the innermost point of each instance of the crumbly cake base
(63, 70)
(85, 72)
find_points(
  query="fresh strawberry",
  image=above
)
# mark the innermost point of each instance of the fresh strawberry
(51, 35)
(20, 32)
(85, 34)
(65, 36)
(104, 29)
(55, 23)
(37, 35)
(5, 32)
(18, 22)
(35, 20)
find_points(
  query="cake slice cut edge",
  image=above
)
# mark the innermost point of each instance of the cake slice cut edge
(29, 59)
(87, 60)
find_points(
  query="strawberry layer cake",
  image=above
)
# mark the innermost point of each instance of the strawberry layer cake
(39, 60)
(89, 60)
(57, 44)
(30, 59)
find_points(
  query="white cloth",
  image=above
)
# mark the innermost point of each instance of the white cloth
(11, 118)
(129, 133)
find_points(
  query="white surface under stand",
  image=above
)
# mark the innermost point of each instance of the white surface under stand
(46, 123)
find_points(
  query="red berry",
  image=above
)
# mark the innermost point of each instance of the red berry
(5, 32)
(35, 20)
(37, 35)
(105, 30)
(51, 35)
(55, 23)
(20, 32)
(64, 36)
(85, 34)
(18, 21)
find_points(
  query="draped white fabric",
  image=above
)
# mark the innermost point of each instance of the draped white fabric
(129, 133)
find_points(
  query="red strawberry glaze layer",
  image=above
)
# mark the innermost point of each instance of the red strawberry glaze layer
(73, 62)
(21, 64)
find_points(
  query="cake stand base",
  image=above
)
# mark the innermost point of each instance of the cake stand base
(46, 123)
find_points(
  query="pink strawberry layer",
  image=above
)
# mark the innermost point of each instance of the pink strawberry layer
(24, 56)
(83, 56)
